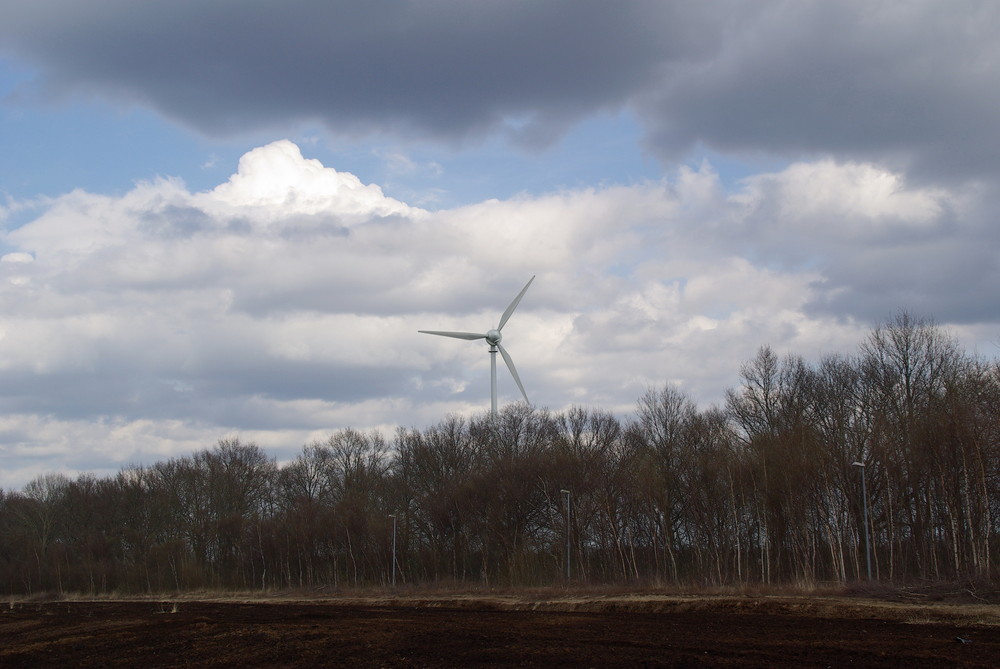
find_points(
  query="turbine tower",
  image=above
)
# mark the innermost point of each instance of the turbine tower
(493, 338)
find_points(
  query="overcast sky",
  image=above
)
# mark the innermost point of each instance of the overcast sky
(230, 218)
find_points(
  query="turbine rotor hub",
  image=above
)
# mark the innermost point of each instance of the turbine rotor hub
(493, 337)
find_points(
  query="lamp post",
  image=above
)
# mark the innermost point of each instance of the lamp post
(393, 550)
(567, 493)
(864, 505)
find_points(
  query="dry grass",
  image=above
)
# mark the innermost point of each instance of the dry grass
(926, 603)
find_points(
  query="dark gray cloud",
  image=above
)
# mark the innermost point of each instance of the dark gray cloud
(446, 68)
(951, 280)
(220, 393)
(910, 84)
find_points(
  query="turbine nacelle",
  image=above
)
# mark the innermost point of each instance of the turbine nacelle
(493, 337)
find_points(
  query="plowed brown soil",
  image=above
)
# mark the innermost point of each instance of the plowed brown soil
(485, 632)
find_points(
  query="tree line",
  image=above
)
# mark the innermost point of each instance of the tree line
(765, 489)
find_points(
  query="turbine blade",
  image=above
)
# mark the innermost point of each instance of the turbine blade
(513, 371)
(457, 335)
(513, 305)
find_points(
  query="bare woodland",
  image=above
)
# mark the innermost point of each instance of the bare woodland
(761, 490)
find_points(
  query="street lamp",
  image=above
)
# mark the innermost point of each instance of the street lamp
(567, 493)
(864, 503)
(393, 550)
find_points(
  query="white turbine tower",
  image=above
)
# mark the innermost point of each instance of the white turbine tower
(493, 338)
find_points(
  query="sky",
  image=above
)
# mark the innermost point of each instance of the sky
(227, 218)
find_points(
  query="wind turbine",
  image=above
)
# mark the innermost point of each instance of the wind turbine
(493, 338)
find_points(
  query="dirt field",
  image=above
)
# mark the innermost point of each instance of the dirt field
(496, 631)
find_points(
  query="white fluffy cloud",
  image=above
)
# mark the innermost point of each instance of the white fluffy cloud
(865, 198)
(284, 303)
(275, 184)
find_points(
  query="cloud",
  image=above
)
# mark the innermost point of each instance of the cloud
(906, 85)
(852, 192)
(397, 162)
(446, 68)
(284, 303)
(277, 181)
(874, 239)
